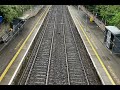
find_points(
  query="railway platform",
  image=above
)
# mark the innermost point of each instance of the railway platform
(60, 54)
(106, 63)
(20, 50)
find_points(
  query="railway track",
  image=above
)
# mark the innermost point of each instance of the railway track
(58, 56)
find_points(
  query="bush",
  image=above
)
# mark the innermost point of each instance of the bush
(110, 13)
(9, 12)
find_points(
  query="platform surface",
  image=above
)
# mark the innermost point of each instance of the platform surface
(96, 36)
(16, 60)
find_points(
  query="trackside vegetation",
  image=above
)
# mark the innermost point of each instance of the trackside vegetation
(9, 12)
(108, 13)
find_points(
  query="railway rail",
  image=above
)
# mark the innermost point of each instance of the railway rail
(10, 48)
(58, 56)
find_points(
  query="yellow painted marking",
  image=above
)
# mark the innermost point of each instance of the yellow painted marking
(91, 19)
(109, 76)
(107, 49)
(92, 46)
(15, 56)
(114, 75)
(18, 44)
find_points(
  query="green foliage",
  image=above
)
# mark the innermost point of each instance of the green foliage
(90, 7)
(110, 13)
(116, 20)
(9, 12)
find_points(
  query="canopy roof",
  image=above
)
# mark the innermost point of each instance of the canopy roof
(113, 29)
(24, 17)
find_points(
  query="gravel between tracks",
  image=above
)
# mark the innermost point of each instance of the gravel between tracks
(59, 56)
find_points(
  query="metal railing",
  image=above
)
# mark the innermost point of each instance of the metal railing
(102, 26)
(96, 20)
(12, 35)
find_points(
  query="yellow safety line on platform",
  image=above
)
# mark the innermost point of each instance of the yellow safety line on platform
(18, 44)
(109, 76)
(15, 56)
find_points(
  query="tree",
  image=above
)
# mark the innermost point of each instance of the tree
(110, 13)
(9, 12)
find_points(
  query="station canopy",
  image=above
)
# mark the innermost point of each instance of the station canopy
(26, 16)
(113, 29)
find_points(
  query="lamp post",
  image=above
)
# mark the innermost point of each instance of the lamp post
(86, 23)
(78, 8)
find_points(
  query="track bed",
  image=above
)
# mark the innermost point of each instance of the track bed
(58, 55)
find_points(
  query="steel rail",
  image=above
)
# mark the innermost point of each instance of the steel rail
(66, 56)
(78, 52)
(35, 56)
(50, 53)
